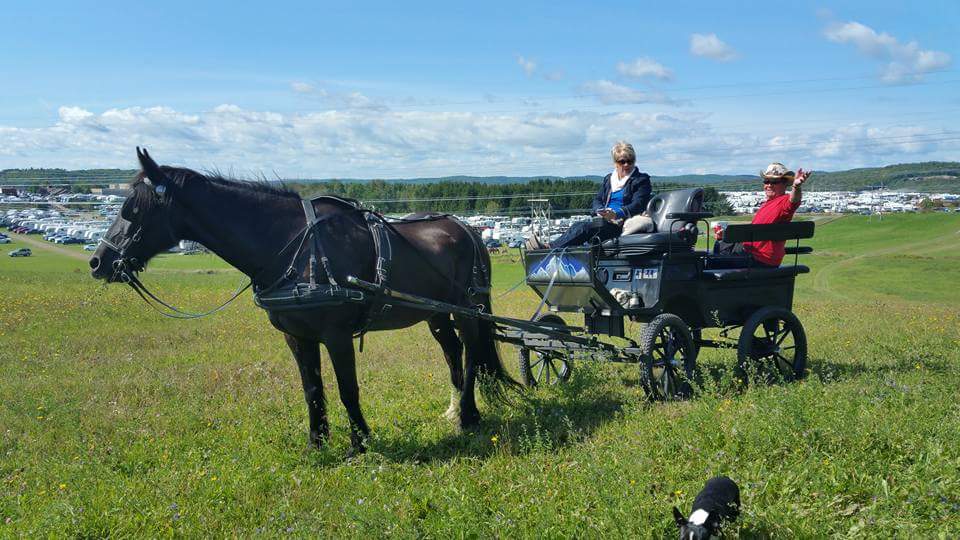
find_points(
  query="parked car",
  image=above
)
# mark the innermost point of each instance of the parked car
(22, 252)
(5, 240)
(90, 247)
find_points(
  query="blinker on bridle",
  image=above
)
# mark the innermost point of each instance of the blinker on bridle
(158, 189)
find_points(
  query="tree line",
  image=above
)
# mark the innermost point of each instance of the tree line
(566, 196)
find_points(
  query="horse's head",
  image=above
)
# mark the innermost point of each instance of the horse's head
(142, 229)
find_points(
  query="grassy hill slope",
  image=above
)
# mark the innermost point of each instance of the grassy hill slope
(117, 422)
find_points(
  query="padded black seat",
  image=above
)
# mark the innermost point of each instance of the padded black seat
(683, 235)
(738, 274)
(646, 243)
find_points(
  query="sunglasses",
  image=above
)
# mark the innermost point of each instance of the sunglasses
(773, 182)
(624, 161)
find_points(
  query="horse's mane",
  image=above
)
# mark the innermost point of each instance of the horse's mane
(180, 176)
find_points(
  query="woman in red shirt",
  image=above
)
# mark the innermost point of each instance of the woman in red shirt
(778, 208)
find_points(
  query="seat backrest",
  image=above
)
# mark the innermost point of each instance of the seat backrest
(681, 200)
(773, 231)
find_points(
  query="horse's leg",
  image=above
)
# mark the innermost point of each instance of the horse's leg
(307, 354)
(340, 346)
(470, 336)
(441, 326)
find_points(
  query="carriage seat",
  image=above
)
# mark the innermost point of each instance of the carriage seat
(740, 274)
(683, 235)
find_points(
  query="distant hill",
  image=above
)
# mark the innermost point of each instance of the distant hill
(930, 176)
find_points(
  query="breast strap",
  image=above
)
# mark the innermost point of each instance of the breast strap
(383, 251)
(316, 247)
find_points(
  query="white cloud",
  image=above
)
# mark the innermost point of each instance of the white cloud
(529, 66)
(73, 114)
(364, 143)
(301, 87)
(644, 67)
(710, 46)
(610, 93)
(902, 61)
(556, 75)
(337, 99)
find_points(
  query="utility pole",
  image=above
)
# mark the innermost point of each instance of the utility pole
(540, 216)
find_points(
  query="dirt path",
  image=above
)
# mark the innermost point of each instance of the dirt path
(47, 246)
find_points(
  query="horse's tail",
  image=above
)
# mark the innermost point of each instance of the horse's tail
(494, 380)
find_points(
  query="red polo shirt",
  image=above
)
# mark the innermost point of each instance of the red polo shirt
(776, 210)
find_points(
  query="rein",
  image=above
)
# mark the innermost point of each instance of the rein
(126, 270)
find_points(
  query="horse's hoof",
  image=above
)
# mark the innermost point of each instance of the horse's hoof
(355, 452)
(468, 423)
(316, 441)
(452, 414)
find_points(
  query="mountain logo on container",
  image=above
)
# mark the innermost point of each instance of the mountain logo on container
(566, 268)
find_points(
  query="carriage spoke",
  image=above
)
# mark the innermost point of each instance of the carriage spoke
(784, 363)
(786, 332)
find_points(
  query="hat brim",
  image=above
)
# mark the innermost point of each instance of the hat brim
(789, 175)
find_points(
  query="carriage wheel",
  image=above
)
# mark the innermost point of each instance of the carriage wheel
(772, 347)
(669, 358)
(545, 367)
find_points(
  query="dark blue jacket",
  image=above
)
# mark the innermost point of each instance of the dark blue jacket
(636, 194)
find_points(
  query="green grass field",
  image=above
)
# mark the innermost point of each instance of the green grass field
(117, 422)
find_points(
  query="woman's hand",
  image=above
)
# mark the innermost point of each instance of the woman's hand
(608, 214)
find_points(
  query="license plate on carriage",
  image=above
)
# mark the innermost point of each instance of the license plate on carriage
(647, 273)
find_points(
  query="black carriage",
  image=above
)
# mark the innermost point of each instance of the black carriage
(662, 280)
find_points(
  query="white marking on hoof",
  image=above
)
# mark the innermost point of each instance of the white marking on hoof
(453, 411)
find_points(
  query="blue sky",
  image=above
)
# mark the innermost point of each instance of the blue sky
(395, 90)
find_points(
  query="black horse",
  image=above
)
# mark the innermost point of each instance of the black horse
(249, 224)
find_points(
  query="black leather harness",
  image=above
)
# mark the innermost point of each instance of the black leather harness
(285, 295)
(288, 294)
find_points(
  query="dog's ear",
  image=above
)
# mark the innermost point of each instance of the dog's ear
(679, 517)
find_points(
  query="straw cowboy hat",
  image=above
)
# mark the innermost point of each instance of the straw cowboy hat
(777, 170)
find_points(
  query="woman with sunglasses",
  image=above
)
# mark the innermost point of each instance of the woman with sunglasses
(778, 208)
(625, 192)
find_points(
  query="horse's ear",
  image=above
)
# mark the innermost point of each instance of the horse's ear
(678, 517)
(150, 168)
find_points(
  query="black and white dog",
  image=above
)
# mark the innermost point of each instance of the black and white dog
(716, 504)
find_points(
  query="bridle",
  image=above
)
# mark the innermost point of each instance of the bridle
(125, 269)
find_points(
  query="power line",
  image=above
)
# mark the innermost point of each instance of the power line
(481, 197)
